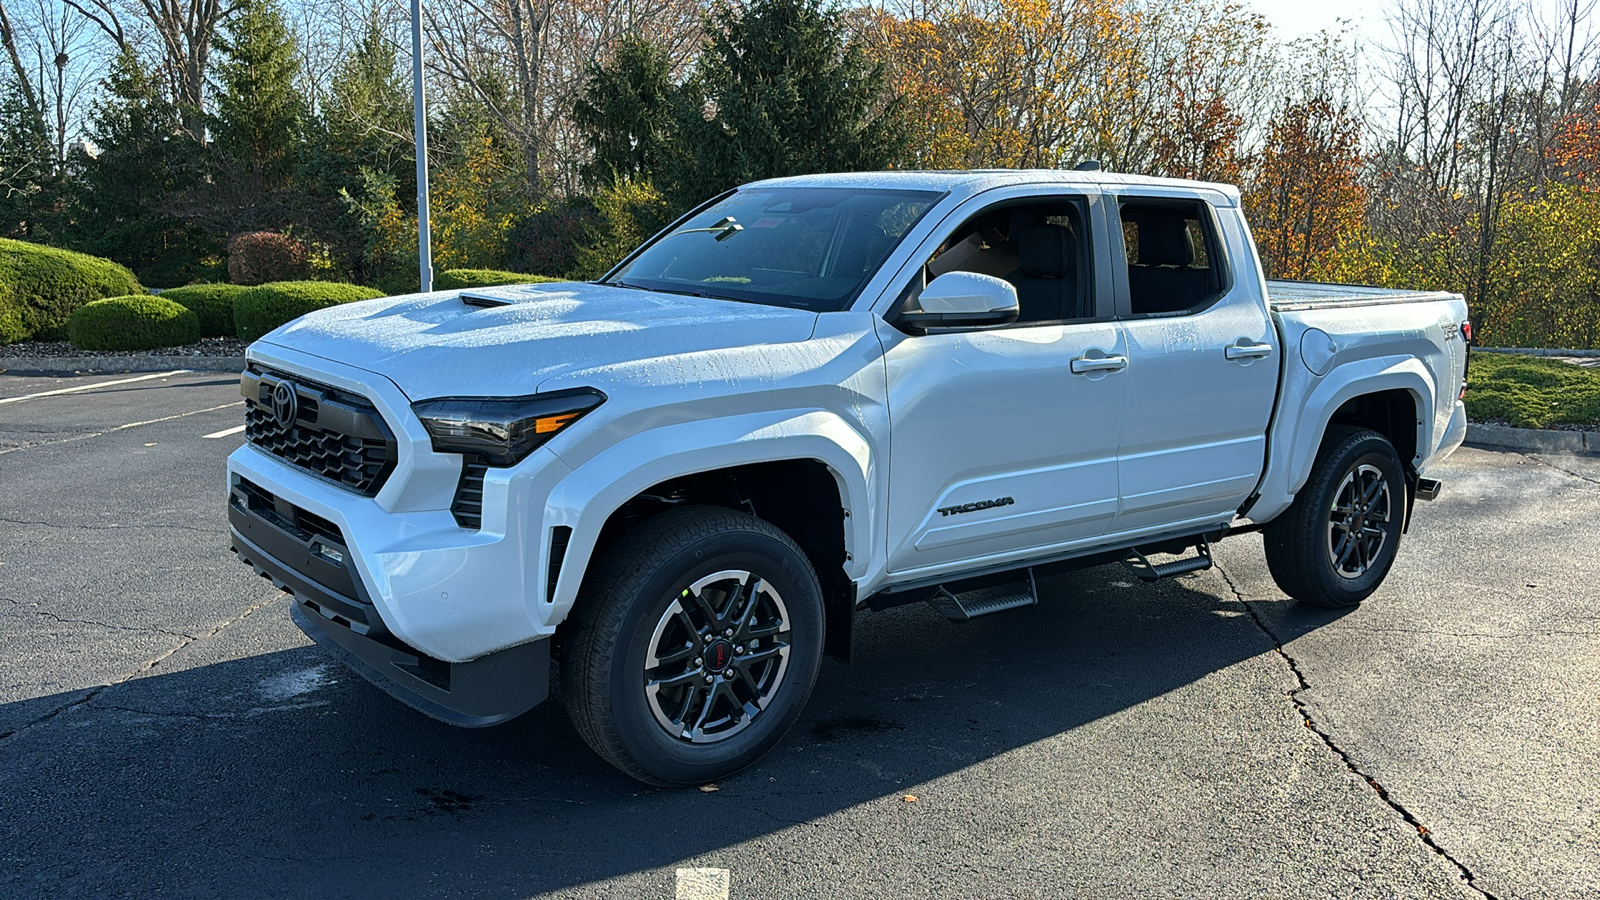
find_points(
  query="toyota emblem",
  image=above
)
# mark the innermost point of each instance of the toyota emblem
(285, 403)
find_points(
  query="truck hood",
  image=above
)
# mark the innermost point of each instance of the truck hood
(434, 345)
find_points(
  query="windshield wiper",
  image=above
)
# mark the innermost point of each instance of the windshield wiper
(725, 228)
(661, 290)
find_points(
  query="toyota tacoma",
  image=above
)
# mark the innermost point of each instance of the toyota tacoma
(664, 495)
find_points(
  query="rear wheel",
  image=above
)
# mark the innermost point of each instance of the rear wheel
(1336, 543)
(694, 646)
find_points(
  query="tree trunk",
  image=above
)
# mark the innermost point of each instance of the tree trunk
(8, 38)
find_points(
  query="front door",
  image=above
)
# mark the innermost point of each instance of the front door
(1003, 447)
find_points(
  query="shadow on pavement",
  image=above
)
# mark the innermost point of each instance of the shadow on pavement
(252, 776)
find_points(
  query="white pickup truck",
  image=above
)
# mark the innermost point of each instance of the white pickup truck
(665, 494)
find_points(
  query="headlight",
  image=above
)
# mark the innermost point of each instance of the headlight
(503, 430)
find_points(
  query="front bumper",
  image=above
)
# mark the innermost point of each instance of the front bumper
(305, 555)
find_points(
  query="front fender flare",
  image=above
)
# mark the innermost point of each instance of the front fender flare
(595, 489)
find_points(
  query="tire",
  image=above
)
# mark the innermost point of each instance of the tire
(1310, 550)
(669, 588)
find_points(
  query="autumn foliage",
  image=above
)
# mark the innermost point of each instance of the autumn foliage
(1306, 195)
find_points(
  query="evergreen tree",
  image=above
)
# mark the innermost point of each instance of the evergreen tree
(366, 119)
(625, 114)
(133, 180)
(26, 180)
(361, 140)
(779, 90)
(258, 125)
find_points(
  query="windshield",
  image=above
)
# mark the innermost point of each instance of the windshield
(800, 247)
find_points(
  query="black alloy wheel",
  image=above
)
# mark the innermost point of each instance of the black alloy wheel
(1335, 544)
(693, 646)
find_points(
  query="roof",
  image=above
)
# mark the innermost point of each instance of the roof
(973, 181)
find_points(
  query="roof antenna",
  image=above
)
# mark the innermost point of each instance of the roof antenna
(1088, 165)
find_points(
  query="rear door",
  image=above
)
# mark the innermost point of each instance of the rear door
(1203, 362)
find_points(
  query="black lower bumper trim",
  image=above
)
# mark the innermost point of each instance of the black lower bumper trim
(485, 691)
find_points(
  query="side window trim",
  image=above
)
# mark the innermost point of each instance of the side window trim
(1092, 203)
(1216, 251)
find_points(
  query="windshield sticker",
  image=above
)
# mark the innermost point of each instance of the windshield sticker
(766, 223)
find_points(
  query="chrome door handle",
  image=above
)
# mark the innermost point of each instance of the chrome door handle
(1085, 364)
(1247, 351)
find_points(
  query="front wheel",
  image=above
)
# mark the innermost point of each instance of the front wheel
(1335, 544)
(694, 646)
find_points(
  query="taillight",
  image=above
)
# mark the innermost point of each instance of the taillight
(1466, 331)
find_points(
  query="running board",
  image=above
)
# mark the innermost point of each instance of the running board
(968, 605)
(1145, 570)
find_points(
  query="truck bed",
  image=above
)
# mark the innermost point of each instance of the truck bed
(1288, 296)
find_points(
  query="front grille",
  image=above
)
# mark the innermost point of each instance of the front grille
(333, 434)
(468, 504)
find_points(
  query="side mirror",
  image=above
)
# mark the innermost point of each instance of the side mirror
(964, 300)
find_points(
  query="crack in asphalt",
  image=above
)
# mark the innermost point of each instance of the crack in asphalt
(108, 707)
(139, 669)
(148, 629)
(1550, 465)
(1327, 740)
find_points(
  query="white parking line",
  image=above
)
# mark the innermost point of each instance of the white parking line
(90, 387)
(224, 432)
(79, 437)
(703, 884)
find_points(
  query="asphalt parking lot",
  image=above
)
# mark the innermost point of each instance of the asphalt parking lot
(165, 730)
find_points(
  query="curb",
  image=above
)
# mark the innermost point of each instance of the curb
(1539, 351)
(144, 362)
(1539, 440)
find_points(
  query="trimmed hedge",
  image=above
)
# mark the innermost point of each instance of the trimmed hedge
(41, 286)
(457, 279)
(138, 322)
(212, 303)
(258, 310)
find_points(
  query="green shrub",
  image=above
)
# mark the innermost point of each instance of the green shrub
(213, 303)
(41, 286)
(628, 213)
(139, 322)
(258, 310)
(457, 279)
(1530, 392)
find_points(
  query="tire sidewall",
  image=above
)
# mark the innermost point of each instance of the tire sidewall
(673, 759)
(1375, 452)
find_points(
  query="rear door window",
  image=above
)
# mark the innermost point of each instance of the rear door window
(1174, 267)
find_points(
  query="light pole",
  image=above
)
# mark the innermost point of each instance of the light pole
(420, 104)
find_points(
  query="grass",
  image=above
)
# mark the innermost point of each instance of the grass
(1530, 392)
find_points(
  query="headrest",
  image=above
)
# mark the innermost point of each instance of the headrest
(1164, 241)
(1046, 251)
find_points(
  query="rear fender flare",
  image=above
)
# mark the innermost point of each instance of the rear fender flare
(1298, 435)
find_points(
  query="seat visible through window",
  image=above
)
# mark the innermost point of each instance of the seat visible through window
(1046, 280)
(1169, 269)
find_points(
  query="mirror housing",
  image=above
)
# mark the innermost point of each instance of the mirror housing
(964, 300)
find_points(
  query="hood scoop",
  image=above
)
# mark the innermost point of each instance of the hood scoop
(483, 301)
